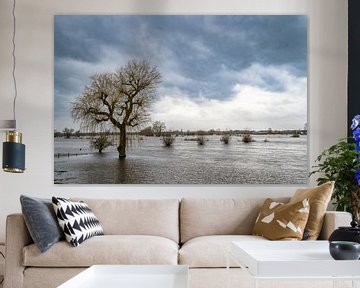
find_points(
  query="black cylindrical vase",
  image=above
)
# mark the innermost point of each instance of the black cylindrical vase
(13, 153)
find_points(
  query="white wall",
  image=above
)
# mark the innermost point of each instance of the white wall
(327, 89)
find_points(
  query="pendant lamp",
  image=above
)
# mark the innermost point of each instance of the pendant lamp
(13, 149)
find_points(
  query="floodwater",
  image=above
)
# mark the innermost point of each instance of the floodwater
(280, 160)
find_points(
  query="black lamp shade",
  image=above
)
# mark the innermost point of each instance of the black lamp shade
(13, 157)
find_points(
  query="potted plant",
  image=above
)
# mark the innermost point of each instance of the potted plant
(341, 163)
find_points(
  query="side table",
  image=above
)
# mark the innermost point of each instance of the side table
(131, 276)
(293, 263)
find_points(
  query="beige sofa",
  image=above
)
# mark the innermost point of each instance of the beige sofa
(194, 232)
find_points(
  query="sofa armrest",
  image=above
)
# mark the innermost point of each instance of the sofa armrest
(17, 237)
(333, 220)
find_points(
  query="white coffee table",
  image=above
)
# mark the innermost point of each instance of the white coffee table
(297, 260)
(131, 276)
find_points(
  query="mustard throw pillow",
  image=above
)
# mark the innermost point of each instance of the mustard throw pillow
(319, 198)
(279, 221)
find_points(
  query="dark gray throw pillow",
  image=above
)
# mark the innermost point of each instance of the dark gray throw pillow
(41, 221)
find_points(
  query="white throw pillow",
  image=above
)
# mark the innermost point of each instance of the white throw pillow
(76, 220)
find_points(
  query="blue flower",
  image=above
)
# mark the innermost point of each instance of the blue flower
(357, 176)
(355, 122)
(355, 126)
(356, 134)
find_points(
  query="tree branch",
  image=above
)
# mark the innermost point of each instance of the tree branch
(103, 97)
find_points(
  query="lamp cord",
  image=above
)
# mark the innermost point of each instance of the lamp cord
(14, 60)
(2, 280)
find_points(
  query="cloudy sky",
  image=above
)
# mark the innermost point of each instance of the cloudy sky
(221, 72)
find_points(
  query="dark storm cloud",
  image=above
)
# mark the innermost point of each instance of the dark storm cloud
(275, 39)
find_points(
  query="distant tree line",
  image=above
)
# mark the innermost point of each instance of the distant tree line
(159, 129)
(151, 131)
(68, 133)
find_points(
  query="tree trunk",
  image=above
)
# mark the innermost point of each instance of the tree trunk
(122, 145)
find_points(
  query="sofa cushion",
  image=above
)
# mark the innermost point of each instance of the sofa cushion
(319, 198)
(200, 217)
(279, 221)
(77, 220)
(158, 217)
(41, 221)
(211, 251)
(107, 249)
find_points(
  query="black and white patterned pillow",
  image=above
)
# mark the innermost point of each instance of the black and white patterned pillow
(77, 220)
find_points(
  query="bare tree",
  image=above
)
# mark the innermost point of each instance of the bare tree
(68, 132)
(247, 138)
(158, 127)
(168, 139)
(225, 138)
(120, 99)
(101, 142)
(200, 138)
(78, 133)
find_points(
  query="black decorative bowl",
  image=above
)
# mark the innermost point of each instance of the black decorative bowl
(344, 250)
(347, 233)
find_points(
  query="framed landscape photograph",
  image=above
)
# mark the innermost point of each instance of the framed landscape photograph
(180, 99)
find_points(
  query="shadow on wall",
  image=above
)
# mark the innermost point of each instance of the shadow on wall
(157, 7)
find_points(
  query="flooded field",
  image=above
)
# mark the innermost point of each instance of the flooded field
(276, 160)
